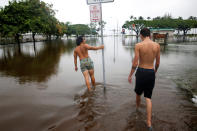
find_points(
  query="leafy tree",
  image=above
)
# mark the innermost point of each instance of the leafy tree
(135, 24)
(13, 20)
(94, 28)
(99, 25)
(184, 25)
(49, 20)
(192, 18)
(180, 18)
(141, 18)
(25, 16)
(80, 29)
(162, 22)
(69, 30)
(35, 16)
(62, 29)
(148, 18)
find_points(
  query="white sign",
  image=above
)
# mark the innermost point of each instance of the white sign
(98, 1)
(95, 13)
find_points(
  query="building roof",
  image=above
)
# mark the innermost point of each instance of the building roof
(162, 29)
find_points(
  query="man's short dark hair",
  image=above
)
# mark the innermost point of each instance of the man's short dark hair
(145, 32)
(79, 40)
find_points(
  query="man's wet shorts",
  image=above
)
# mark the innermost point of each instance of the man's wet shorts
(145, 82)
(86, 64)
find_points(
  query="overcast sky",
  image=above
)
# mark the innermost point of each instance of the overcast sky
(116, 13)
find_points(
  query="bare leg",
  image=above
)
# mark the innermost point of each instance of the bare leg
(149, 111)
(138, 100)
(91, 72)
(86, 76)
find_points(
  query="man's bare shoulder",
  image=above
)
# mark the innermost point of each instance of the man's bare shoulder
(75, 50)
(157, 44)
(138, 44)
(86, 46)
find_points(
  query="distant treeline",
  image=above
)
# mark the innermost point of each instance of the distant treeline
(167, 21)
(37, 17)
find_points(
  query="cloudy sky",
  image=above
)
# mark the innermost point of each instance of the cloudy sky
(116, 13)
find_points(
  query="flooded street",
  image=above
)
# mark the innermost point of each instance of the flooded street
(40, 90)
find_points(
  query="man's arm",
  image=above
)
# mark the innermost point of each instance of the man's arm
(75, 60)
(94, 47)
(157, 59)
(135, 62)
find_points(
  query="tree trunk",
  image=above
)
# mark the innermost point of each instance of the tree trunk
(35, 49)
(34, 41)
(184, 35)
(33, 36)
(50, 37)
(137, 35)
(57, 37)
(18, 42)
(184, 32)
(17, 38)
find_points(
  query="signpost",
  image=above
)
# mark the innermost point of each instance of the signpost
(95, 13)
(98, 2)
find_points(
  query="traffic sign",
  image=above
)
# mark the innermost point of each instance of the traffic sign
(97, 16)
(95, 13)
(98, 1)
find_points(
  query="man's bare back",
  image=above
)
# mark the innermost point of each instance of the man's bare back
(82, 50)
(148, 52)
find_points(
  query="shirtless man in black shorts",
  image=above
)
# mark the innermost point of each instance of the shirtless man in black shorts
(146, 52)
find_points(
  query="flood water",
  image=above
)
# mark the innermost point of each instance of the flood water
(40, 91)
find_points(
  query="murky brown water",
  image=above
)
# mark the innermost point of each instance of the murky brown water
(40, 91)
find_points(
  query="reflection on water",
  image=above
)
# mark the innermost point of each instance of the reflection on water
(37, 66)
(131, 40)
(65, 105)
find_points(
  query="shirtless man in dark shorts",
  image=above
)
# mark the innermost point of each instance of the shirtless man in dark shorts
(146, 52)
(86, 64)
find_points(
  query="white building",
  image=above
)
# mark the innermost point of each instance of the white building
(168, 31)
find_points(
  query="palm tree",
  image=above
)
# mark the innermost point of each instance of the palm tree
(148, 18)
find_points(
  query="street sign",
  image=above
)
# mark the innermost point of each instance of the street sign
(133, 26)
(95, 13)
(98, 1)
